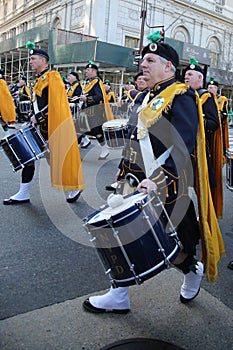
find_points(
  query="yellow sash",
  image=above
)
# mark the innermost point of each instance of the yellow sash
(71, 89)
(107, 107)
(66, 167)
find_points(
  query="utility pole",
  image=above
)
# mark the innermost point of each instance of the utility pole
(143, 17)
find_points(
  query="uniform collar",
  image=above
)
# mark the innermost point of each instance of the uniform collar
(43, 72)
(163, 84)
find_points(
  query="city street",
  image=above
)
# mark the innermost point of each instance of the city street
(46, 256)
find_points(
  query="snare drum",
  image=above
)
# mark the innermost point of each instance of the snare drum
(23, 147)
(25, 107)
(229, 169)
(115, 132)
(130, 240)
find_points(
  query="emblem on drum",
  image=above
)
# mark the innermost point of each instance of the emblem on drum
(157, 103)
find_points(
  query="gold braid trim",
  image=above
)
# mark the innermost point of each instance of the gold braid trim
(90, 85)
(71, 90)
(150, 114)
(41, 84)
(133, 99)
(204, 97)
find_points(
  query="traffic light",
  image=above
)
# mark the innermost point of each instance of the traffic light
(162, 34)
(137, 57)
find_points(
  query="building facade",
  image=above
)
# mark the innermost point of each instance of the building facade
(74, 31)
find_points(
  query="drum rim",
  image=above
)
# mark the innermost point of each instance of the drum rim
(151, 270)
(115, 122)
(125, 209)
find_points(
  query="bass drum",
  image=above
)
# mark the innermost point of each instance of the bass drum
(130, 240)
(23, 147)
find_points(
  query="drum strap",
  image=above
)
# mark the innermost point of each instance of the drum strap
(150, 163)
(36, 108)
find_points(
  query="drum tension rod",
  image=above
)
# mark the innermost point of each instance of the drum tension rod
(116, 236)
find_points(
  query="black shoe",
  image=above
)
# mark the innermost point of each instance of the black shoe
(230, 265)
(110, 188)
(74, 199)
(185, 300)
(87, 145)
(11, 201)
(89, 307)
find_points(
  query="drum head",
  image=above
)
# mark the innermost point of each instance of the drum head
(108, 212)
(115, 123)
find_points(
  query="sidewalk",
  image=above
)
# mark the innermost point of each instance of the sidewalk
(156, 312)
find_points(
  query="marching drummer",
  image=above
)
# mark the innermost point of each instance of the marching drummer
(74, 92)
(53, 116)
(75, 89)
(110, 93)
(168, 132)
(222, 101)
(7, 107)
(194, 76)
(96, 106)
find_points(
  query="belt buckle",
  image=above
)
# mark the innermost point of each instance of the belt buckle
(132, 156)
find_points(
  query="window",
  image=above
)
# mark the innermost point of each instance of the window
(131, 42)
(214, 46)
(181, 34)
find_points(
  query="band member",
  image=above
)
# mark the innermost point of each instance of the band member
(170, 112)
(7, 107)
(140, 85)
(212, 86)
(125, 101)
(134, 96)
(52, 114)
(194, 76)
(74, 92)
(96, 106)
(110, 94)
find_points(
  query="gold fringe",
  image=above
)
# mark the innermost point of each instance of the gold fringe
(149, 116)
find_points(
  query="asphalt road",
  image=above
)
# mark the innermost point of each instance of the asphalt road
(45, 254)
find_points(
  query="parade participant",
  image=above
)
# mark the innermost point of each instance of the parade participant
(194, 76)
(96, 106)
(134, 97)
(24, 95)
(52, 114)
(212, 86)
(7, 107)
(110, 94)
(74, 91)
(125, 101)
(66, 83)
(140, 85)
(176, 106)
(140, 82)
